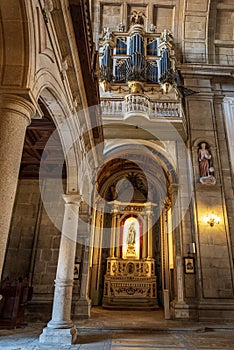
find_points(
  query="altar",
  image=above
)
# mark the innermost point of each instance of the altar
(130, 280)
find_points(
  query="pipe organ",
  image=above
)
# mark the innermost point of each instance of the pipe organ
(135, 55)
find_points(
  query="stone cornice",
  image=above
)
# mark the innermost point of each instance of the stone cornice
(207, 70)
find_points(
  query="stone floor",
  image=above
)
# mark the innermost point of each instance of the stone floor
(128, 330)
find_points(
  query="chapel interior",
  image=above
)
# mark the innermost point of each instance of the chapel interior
(117, 160)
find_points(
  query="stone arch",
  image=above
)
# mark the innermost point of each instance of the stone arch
(199, 140)
(159, 155)
(157, 151)
(64, 122)
(153, 188)
(14, 53)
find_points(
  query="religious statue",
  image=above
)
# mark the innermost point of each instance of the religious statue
(152, 28)
(107, 34)
(204, 157)
(167, 35)
(121, 27)
(205, 168)
(131, 236)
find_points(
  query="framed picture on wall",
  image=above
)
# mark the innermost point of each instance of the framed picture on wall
(189, 265)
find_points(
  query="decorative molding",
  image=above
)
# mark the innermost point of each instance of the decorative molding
(51, 5)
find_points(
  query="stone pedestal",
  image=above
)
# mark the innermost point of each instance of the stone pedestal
(58, 336)
(15, 116)
(60, 329)
(179, 308)
(83, 308)
(97, 255)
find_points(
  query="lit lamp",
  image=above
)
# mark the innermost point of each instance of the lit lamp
(212, 219)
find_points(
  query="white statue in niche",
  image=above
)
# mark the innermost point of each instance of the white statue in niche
(131, 237)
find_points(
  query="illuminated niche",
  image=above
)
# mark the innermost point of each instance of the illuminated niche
(131, 239)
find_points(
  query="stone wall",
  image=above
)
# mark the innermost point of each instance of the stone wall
(33, 245)
(23, 227)
(109, 14)
(214, 265)
(34, 240)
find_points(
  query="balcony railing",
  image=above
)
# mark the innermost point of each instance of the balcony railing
(135, 104)
(112, 107)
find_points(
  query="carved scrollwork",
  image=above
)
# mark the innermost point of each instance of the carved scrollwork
(137, 17)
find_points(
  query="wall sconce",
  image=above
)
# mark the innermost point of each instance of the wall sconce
(212, 219)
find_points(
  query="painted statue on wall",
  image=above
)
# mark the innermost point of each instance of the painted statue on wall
(205, 164)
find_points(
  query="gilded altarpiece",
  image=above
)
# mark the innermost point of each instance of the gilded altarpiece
(130, 279)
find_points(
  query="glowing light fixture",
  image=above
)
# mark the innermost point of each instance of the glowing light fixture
(212, 219)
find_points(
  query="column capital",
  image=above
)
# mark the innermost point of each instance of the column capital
(72, 198)
(115, 211)
(100, 203)
(19, 105)
(149, 212)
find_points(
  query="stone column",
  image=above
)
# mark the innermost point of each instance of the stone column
(150, 235)
(166, 248)
(179, 308)
(83, 306)
(125, 15)
(165, 265)
(15, 116)
(150, 15)
(145, 238)
(97, 253)
(60, 329)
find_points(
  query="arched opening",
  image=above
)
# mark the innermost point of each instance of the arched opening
(131, 261)
(48, 169)
(33, 242)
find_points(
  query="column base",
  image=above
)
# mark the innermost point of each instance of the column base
(179, 310)
(82, 308)
(58, 336)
